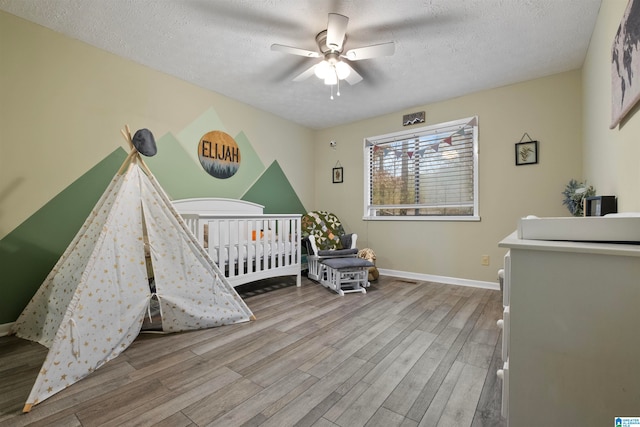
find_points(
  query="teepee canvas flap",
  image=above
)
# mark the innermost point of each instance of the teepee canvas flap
(208, 300)
(42, 317)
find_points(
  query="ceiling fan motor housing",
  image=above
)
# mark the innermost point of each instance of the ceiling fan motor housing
(321, 40)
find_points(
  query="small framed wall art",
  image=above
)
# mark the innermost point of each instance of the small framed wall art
(526, 153)
(337, 175)
(413, 118)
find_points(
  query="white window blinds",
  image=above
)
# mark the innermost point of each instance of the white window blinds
(425, 173)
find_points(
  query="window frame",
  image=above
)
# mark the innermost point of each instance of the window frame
(429, 130)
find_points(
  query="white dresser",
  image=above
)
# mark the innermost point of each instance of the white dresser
(571, 332)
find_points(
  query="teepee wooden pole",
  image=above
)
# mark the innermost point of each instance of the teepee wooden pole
(133, 152)
(130, 158)
(144, 167)
(126, 132)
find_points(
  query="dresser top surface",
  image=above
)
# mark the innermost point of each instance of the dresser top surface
(513, 242)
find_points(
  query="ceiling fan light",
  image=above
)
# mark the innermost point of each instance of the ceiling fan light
(322, 69)
(331, 79)
(343, 70)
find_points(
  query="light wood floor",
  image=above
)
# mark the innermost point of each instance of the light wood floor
(405, 354)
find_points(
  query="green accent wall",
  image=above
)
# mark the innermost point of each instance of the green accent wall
(30, 251)
(177, 173)
(274, 191)
(190, 136)
(250, 168)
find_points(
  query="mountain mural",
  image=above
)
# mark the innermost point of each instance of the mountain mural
(29, 252)
(181, 175)
(274, 191)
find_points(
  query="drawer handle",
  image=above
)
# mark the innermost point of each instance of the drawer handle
(500, 374)
(500, 323)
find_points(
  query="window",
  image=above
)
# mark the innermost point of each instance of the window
(430, 173)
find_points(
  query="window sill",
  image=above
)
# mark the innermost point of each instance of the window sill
(422, 218)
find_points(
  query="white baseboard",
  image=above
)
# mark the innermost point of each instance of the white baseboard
(440, 279)
(5, 329)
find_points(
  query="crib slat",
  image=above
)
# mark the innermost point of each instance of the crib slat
(250, 229)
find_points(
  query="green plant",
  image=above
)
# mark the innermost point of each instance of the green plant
(574, 194)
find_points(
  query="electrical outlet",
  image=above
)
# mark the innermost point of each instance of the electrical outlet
(485, 260)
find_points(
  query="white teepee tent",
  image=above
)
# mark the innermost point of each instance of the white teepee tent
(92, 304)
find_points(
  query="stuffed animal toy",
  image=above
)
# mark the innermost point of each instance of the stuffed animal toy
(369, 255)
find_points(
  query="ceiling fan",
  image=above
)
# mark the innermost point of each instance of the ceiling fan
(331, 43)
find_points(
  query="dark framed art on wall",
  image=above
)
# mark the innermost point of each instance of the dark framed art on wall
(337, 175)
(526, 153)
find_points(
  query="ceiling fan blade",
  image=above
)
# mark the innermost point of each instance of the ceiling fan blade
(353, 76)
(373, 51)
(294, 51)
(305, 74)
(336, 30)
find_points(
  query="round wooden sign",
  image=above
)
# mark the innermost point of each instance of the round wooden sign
(219, 154)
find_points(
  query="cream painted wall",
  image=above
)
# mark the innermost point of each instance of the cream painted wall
(64, 103)
(611, 156)
(548, 109)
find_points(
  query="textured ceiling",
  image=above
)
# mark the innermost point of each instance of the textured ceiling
(444, 48)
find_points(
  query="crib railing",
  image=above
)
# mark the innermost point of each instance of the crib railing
(249, 248)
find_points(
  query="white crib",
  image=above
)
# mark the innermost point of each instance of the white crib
(245, 243)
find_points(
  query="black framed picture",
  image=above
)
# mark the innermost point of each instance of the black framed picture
(527, 153)
(337, 175)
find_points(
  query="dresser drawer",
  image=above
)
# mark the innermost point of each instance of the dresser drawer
(506, 333)
(503, 374)
(506, 282)
(505, 325)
